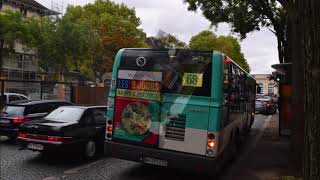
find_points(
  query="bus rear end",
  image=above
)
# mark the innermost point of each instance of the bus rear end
(161, 108)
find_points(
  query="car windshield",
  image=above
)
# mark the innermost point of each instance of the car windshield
(12, 111)
(65, 114)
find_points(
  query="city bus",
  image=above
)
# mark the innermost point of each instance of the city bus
(177, 108)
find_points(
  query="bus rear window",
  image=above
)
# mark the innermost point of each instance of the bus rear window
(183, 71)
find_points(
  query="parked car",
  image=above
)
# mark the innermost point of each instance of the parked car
(74, 128)
(265, 106)
(259, 96)
(18, 112)
(10, 97)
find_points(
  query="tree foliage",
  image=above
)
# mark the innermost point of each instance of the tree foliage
(48, 43)
(246, 16)
(166, 41)
(12, 30)
(207, 40)
(86, 39)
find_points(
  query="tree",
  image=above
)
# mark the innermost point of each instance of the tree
(12, 30)
(308, 49)
(107, 27)
(207, 40)
(75, 34)
(86, 39)
(48, 44)
(246, 16)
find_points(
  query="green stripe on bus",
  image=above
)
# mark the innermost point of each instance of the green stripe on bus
(217, 78)
(215, 119)
(112, 92)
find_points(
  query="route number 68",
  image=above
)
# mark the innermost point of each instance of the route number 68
(192, 79)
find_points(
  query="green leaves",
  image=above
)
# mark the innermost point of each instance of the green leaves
(207, 40)
(12, 30)
(86, 39)
(243, 15)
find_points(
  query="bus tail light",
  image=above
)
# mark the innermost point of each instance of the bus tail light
(109, 129)
(211, 136)
(212, 142)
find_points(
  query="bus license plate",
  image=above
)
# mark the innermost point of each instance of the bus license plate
(153, 161)
(35, 146)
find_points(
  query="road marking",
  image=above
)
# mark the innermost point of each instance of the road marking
(254, 142)
(264, 126)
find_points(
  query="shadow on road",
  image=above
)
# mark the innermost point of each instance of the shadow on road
(159, 173)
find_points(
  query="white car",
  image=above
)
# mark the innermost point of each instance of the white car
(10, 97)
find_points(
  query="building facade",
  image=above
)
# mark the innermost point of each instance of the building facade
(23, 64)
(20, 68)
(268, 87)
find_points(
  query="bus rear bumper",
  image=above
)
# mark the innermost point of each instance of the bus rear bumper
(174, 159)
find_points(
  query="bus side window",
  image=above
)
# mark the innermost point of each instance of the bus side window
(227, 95)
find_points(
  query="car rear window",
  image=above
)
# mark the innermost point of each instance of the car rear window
(13, 111)
(65, 114)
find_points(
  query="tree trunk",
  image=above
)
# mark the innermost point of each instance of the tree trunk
(1, 56)
(295, 47)
(309, 14)
(281, 44)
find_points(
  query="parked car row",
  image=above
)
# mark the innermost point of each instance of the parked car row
(52, 126)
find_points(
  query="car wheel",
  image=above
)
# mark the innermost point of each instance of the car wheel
(90, 149)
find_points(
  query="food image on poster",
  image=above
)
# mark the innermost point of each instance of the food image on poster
(137, 106)
(136, 118)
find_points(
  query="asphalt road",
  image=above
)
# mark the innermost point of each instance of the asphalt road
(27, 165)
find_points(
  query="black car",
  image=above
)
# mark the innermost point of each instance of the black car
(18, 112)
(73, 128)
(265, 106)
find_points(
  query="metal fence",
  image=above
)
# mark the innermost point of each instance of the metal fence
(12, 90)
(36, 90)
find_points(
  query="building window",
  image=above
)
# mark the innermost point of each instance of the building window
(260, 85)
(271, 88)
(20, 61)
(23, 11)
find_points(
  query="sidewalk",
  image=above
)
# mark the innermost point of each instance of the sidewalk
(268, 159)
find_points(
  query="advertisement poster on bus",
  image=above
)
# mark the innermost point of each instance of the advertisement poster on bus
(137, 112)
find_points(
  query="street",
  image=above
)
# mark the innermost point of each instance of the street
(24, 165)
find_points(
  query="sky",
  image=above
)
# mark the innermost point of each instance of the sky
(172, 16)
